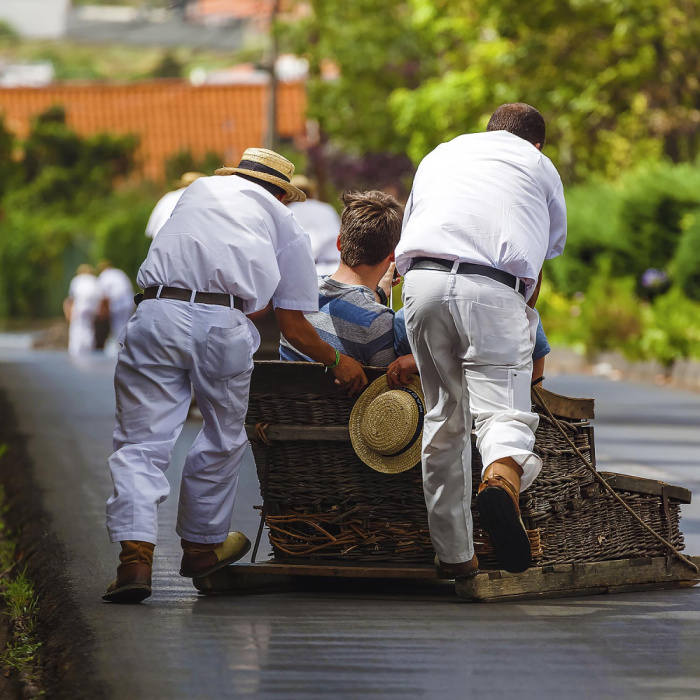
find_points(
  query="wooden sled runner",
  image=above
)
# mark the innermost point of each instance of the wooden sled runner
(329, 516)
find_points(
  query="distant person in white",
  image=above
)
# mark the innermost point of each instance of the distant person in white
(485, 212)
(322, 223)
(117, 295)
(80, 308)
(167, 203)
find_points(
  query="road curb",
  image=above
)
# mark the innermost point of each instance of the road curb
(66, 655)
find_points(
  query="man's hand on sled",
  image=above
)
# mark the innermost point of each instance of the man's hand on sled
(349, 375)
(400, 371)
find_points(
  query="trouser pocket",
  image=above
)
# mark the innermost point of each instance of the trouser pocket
(498, 336)
(229, 352)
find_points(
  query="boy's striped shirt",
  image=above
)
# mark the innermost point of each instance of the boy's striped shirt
(353, 322)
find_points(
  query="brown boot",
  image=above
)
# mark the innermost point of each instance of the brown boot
(200, 560)
(460, 571)
(499, 509)
(133, 582)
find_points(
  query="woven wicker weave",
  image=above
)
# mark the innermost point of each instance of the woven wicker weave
(323, 503)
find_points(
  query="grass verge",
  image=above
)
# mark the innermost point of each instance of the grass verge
(20, 657)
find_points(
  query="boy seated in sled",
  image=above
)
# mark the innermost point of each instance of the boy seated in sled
(353, 316)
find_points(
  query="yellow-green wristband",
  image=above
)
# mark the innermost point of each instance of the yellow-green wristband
(335, 364)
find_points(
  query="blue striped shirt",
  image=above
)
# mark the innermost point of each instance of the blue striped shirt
(353, 322)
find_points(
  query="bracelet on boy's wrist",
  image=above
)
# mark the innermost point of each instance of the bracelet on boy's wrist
(382, 296)
(336, 363)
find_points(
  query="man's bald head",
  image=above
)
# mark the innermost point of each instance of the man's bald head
(520, 119)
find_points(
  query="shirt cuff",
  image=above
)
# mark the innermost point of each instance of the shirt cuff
(293, 305)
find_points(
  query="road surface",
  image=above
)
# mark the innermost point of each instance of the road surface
(347, 643)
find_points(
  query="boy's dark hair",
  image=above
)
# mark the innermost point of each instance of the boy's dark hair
(272, 189)
(370, 227)
(519, 119)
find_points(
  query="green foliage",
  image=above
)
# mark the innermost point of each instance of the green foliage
(61, 209)
(168, 67)
(616, 81)
(686, 264)
(593, 213)
(672, 329)
(632, 224)
(183, 162)
(377, 50)
(7, 31)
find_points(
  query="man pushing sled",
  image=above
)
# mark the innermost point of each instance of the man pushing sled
(229, 247)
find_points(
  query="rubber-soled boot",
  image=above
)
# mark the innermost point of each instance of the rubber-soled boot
(498, 506)
(133, 582)
(200, 560)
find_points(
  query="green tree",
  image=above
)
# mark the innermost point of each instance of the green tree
(183, 162)
(617, 81)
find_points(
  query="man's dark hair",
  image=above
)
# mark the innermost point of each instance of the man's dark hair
(370, 227)
(519, 119)
(272, 189)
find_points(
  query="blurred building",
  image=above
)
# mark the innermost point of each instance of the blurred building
(36, 19)
(256, 14)
(168, 115)
(36, 74)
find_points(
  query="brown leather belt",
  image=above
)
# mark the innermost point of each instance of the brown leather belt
(186, 295)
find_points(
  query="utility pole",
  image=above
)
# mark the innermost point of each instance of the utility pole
(271, 135)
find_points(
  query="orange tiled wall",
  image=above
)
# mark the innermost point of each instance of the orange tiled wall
(169, 116)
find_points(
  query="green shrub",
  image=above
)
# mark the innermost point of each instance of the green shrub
(184, 162)
(672, 328)
(654, 202)
(631, 225)
(686, 264)
(593, 236)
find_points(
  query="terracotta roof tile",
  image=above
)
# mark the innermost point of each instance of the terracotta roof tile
(169, 116)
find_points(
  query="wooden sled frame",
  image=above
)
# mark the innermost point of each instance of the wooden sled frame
(555, 581)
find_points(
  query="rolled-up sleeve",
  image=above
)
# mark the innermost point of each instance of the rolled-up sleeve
(298, 286)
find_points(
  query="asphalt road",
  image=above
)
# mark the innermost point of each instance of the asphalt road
(350, 642)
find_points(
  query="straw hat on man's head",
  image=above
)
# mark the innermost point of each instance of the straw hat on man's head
(386, 426)
(268, 166)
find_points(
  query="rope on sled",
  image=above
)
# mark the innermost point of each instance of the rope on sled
(610, 489)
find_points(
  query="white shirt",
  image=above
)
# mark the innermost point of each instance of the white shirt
(231, 236)
(491, 199)
(162, 211)
(85, 293)
(115, 285)
(322, 222)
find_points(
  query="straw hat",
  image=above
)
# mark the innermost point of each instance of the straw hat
(386, 426)
(188, 178)
(305, 185)
(269, 166)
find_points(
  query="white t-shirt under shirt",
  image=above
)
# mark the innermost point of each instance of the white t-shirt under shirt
(162, 211)
(230, 235)
(490, 198)
(322, 222)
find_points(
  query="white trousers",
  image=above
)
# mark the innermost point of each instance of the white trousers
(168, 347)
(472, 338)
(81, 333)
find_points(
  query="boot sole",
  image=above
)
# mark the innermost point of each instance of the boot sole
(220, 565)
(130, 594)
(502, 522)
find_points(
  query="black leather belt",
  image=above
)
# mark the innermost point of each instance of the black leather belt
(470, 269)
(186, 294)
